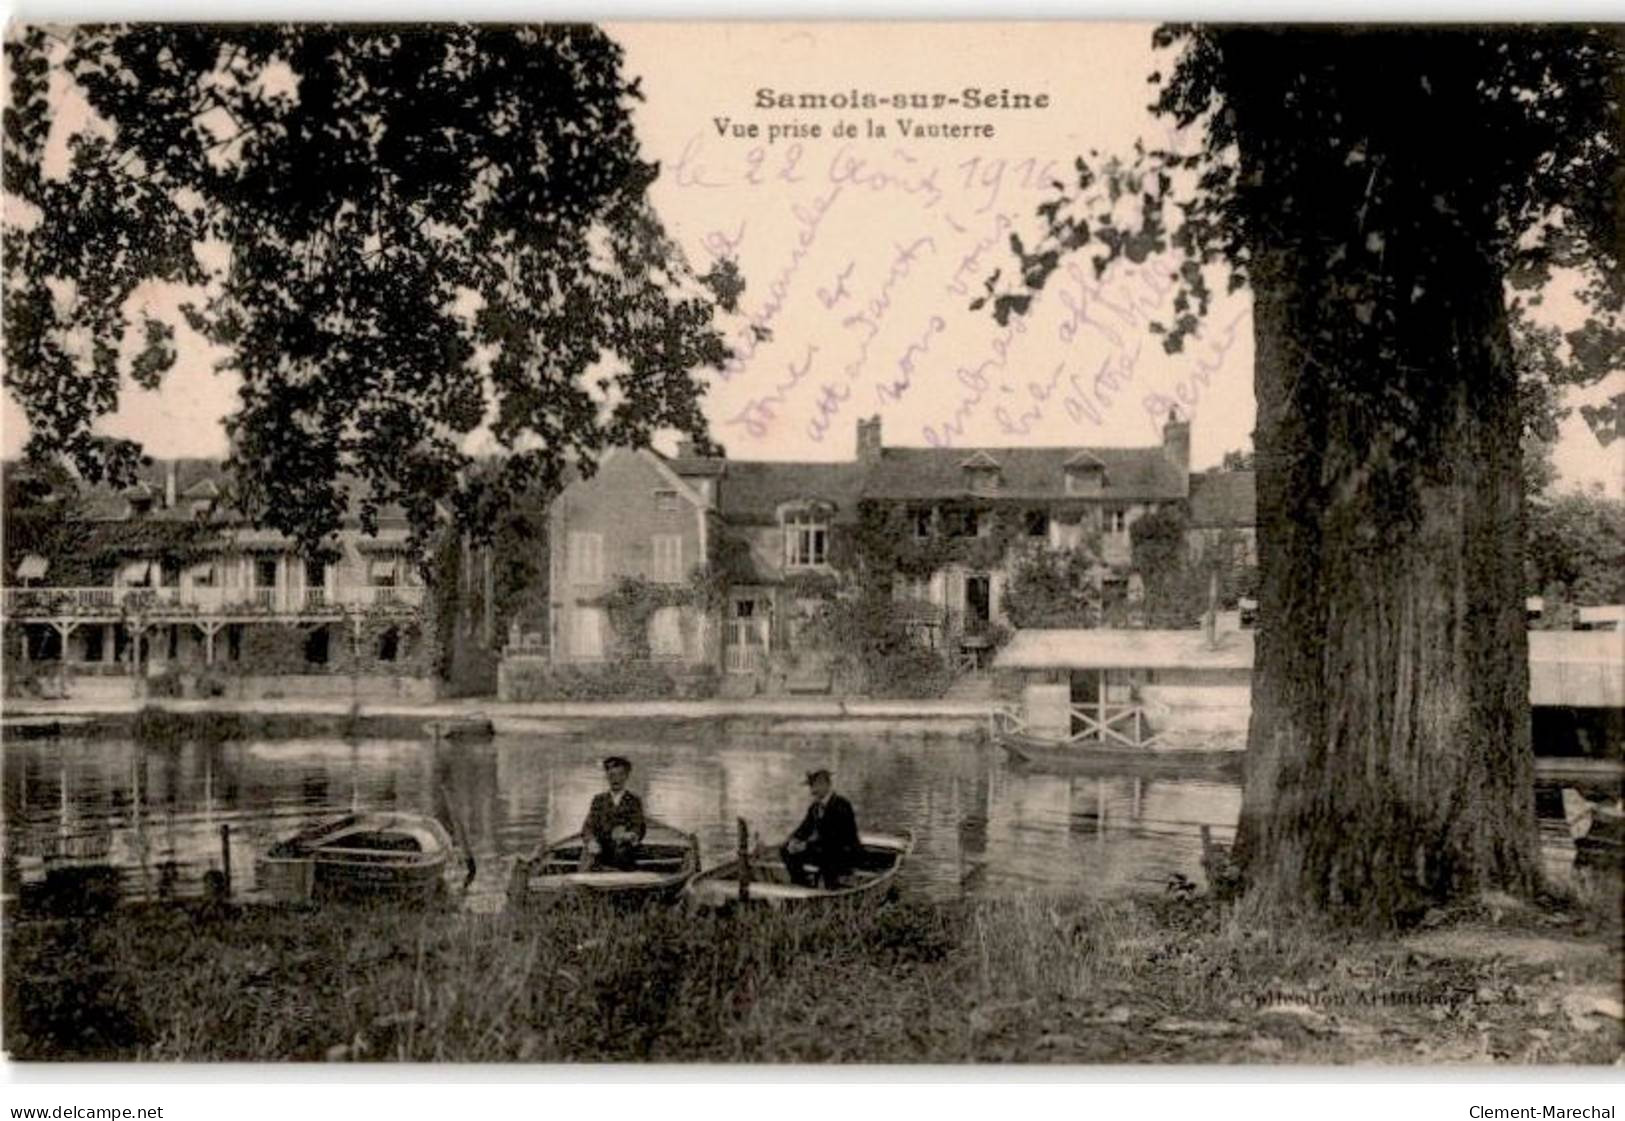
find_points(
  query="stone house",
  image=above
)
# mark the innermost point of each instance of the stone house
(769, 537)
(635, 518)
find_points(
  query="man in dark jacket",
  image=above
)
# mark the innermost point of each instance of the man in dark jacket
(827, 837)
(614, 827)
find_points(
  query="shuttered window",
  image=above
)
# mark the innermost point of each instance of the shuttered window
(586, 557)
(668, 558)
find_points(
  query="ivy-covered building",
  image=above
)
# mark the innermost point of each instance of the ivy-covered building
(725, 563)
(166, 582)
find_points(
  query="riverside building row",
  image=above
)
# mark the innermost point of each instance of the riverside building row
(732, 558)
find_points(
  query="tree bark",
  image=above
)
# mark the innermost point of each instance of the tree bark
(1389, 763)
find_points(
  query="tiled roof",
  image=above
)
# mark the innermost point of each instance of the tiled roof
(1222, 499)
(1130, 473)
(752, 491)
(105, 503)
(196, 480)
(1124, 649)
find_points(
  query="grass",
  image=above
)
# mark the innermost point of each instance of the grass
(1030, 979)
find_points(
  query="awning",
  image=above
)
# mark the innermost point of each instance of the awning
(1125, 649)
(1577, 669)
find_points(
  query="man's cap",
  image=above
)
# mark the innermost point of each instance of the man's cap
(617, 761)
(820, 773)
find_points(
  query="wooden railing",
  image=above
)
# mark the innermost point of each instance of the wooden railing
(745, 645)
(1122, 724)
(199, 599)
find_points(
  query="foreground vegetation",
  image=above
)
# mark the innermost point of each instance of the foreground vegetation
(1013, 980)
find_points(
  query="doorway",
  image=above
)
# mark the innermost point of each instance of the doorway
(978, 600)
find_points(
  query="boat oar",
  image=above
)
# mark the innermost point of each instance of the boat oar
(458, 833)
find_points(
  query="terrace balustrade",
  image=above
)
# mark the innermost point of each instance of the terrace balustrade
(50, 603)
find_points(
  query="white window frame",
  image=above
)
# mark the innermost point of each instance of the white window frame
(586, 557)
(806, 540)
(1116, 519)
(666, 551)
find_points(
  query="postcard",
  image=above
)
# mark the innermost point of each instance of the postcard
(1070, 544)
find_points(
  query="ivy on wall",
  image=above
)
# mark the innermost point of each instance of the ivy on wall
(974, 533)
(631, 603)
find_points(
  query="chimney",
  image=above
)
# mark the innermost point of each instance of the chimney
(869, 439)
(1176, 441)
(169, 485)
(685, 449)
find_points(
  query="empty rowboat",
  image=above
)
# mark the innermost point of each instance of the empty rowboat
(397, 856)
(664, 862)
(1098, 758)
(767, 882)
(475, 727)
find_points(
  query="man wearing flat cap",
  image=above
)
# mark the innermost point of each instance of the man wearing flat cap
(614, 826)
(826, 839)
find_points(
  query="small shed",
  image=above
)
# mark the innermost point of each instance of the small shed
(1164, 681)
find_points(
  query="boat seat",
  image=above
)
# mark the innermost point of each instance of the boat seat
(613, 879)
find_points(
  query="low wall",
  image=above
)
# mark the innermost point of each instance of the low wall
(366, 687)
(255, 687)
(514, 667)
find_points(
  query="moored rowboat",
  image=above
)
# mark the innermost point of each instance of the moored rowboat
(665, 861)
(475, 727)
(1598, 829)
(367, 855)
(881, 857)
(1088, 757)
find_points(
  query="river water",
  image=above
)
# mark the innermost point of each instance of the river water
(981, 827)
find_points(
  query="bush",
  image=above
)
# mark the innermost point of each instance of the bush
(626, 679)
(871, 646)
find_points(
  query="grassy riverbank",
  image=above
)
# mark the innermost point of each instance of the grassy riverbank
(1014, 980)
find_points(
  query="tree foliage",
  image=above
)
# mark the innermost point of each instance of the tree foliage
(396, 234)
(1161, 544)
(1576, 548)
(1053, 588)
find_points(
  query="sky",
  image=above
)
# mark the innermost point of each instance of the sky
(863, 246)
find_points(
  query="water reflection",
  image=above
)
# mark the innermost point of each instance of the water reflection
(980, 827)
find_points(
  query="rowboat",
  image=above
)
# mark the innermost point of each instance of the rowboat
(1097, 758)
(475, 727)
(397, 856)
(1598, 829)
(666, 860)
(880, 858)
(65, 873)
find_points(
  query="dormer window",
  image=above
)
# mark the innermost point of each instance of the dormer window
(981, 473)
(806, 539)
(1085, 474)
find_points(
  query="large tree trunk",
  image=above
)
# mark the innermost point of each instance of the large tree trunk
(1389, 763)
